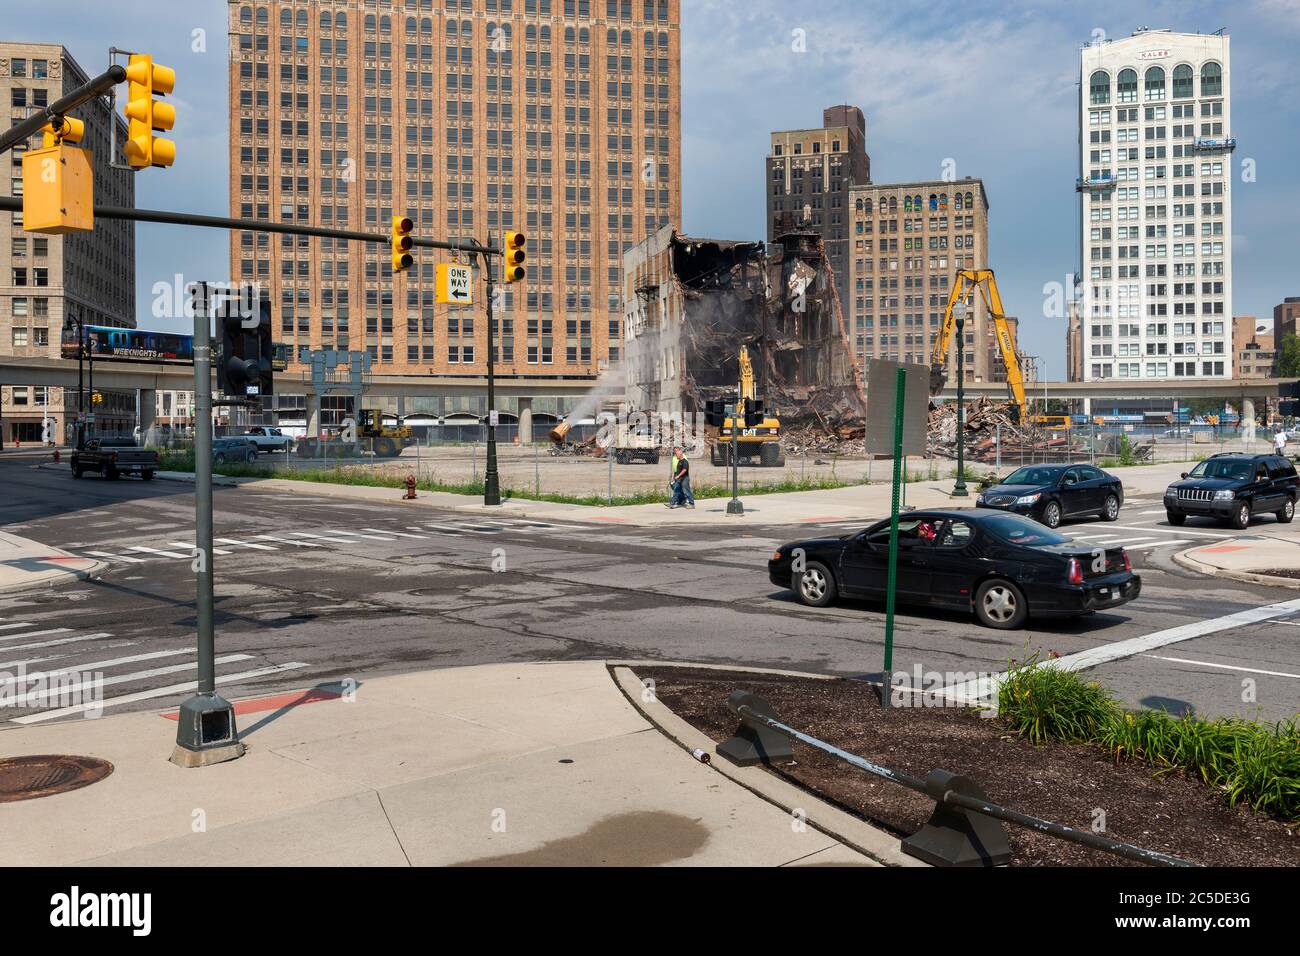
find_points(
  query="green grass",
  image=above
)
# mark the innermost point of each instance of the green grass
(1250, 762)
(360, 475)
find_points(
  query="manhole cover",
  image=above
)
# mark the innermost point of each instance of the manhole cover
(26, 778)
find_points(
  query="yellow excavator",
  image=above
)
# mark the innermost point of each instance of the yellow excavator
(761, 441)
(967, 282)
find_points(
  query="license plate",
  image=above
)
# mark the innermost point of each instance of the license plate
(1104, 592)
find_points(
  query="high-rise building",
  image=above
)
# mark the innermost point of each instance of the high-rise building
(1253, 352)
(557, 118)
(48, 279)
(809, 175)
(908, 241)
(1155, 183)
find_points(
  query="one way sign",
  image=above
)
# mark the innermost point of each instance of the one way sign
(453, 284)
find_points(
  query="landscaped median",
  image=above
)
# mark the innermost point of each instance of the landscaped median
(1216, 792)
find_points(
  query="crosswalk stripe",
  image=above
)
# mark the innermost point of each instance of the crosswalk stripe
(31, 698)
(445, 529)
(154, 693)
(400, 534)
(9, 627)
(300, 544)
(48, 630)
(117, 557)
(92, 665)
(192, 547)
(166, 554)
(246, 544)
(356, 534)
(308, 534)
(62, 640)
(1164, 543)
(1158, 511)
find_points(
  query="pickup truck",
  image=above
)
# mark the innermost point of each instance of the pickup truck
(113, 458)
(269, 439)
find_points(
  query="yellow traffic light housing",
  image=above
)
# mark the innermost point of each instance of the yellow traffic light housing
(402, 242)
(58, 187)
(69, 131)
(514, 256)
(144, 114)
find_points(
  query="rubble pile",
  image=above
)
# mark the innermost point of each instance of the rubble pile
(987, 421)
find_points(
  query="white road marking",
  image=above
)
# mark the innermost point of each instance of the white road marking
(446, 529)
(246, 544)
(8, 627)
(117, 557)
(62, 640)
(48, 630)
(356, 534)
(1192, 531)
(1222, 667)
(299, 544)
(1158, 511)
(192, 547)
(322, 537)
(462, 529)
(92, 665)
(1098, 538)
(23, 700)
(1163, 544)
(166, 554)
(400, 534)
(151, 694)
(986, 687)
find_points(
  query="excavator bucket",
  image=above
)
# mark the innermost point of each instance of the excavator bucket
(938, 377)
(559, 431)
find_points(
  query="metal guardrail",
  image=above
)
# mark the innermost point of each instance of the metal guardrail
(964, 828)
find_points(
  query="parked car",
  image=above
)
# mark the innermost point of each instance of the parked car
(1232, 487)
(1002, 567)
(113, 458)
(234, 448)
(1051, 493)
(267, 439)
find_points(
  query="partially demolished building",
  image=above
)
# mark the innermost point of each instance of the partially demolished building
(690, 304)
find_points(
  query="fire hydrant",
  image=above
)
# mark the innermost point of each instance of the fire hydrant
(56, 456)
(410, 488)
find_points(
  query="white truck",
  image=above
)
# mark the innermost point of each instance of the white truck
(269, 439)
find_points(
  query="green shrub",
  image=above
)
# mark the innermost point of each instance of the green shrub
(1045, 703)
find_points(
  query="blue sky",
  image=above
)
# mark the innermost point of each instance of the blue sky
(989, 85)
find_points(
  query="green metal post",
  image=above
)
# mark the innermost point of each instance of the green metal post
(900, 390)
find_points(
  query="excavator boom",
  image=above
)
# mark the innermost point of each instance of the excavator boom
(967, 282)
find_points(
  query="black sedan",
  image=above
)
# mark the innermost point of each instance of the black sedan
(1051, 493)
(1004, 567)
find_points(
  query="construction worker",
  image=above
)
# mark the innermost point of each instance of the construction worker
(1279, 441)
(681, 480)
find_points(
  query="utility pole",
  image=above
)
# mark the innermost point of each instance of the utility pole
(491, 480)
(205, 733)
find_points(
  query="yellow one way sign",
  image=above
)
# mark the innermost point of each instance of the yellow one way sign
(453, 284)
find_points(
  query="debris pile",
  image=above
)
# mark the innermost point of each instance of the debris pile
(987, 423)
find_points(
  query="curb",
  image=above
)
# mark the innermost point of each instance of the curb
(50, 583)
(1184, 560)
(877, 845)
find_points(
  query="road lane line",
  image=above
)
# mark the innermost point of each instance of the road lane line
(62, 640)
(1164, 543)
(299, 544)
(1158, 511)
(33, 697)
(1192, 531)
(246, 544)
(400, 534)
(117, 557)
(1222, 667)
(48, 630)
(166, 554)
(357, 534)
(9, 627)
(193, 547)
(986, 687)
(154, 693)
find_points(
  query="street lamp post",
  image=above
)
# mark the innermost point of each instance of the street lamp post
(491, 479)
(959, 489)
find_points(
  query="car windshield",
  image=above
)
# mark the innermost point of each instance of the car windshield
(1031, 476)
(1232, 469)
(1018, 530)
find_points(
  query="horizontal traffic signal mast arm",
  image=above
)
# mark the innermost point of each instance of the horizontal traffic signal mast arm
(15, 204)
(50, 114)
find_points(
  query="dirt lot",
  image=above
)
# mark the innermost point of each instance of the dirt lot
(1066, 783)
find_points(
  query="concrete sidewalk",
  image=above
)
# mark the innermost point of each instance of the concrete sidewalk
(852, 503)
(26, 564)
(515, 764)
(1248, 558)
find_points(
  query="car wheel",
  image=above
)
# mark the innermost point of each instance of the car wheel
(251, 457)
(77, 473)
(147, 475)
(1176, 518)
(1000, 604)
(1111, 510)
(1240, 517)
(1287, 513)
(112, 474)
(219, 459)
(1052, 514)
(816, 585)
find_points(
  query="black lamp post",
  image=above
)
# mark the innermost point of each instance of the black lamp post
(959, 489)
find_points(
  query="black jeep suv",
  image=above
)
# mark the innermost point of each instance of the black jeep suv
(1234, 486)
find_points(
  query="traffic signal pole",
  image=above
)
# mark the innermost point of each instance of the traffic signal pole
(491, 479)
(54, 113)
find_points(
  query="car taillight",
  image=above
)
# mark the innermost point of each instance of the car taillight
(1075, 574)
(114, 456)
(776, 555)
(1128, 565)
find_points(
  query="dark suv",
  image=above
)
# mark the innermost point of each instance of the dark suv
(1234, 486)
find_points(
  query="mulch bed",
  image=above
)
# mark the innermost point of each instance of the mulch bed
(1277, 572)
(1172, 813)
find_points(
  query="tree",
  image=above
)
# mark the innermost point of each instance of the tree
(1288, 356)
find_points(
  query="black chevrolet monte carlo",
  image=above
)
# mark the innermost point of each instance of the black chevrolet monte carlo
(1003, 567)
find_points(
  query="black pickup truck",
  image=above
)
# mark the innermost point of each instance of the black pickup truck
(113, 458)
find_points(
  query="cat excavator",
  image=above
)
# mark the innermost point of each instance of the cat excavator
(967, 282)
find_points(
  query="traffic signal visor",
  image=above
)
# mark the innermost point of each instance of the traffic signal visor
(144, 114)
(402, 259)
(514, 256)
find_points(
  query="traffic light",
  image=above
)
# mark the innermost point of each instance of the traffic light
(69, 130)
(753, 412)
(715, 412)
(245, 360)
(144, 114)
(514, 256)
(402, 241)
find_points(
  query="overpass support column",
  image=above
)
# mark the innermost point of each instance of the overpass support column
(313, 415)
(525, 421)
(1247, 423)
(148, 399)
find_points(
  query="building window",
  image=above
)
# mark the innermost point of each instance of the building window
(1099, 88)
(1211, 80)
(1182, 82)
(1126, 89)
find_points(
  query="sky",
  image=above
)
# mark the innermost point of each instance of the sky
(989, 87)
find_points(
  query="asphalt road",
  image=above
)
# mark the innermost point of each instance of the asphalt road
(313, 590)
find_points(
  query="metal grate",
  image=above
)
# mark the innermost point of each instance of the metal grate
(1195, 494)
(42, 775)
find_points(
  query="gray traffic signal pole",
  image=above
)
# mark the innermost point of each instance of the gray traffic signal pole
(205, 732)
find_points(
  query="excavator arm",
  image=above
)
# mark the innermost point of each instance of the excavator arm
(746, 375)
(963, 290)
